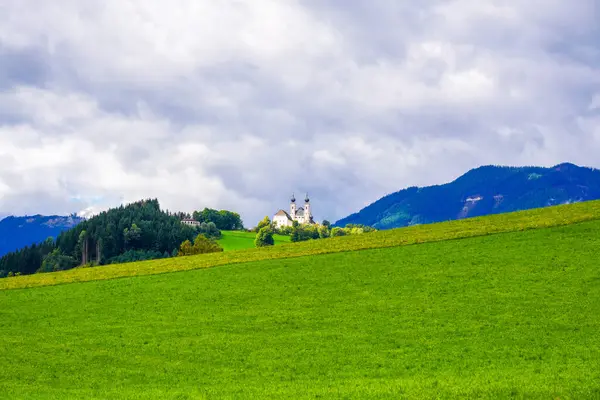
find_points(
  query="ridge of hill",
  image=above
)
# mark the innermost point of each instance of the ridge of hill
(511, 315)
(481, 191)
(17, 232)
(471, 227)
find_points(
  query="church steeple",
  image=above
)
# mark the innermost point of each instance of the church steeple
(293, 207)
(307, 211)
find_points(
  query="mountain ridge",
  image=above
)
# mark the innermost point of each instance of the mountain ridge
(485, 190)
(19, 231)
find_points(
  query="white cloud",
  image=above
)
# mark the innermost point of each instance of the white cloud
(235, 104)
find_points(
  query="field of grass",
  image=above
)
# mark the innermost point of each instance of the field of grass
(513, 315)
(239, 240)
(472, 227)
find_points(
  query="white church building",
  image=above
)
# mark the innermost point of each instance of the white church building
(303, 214)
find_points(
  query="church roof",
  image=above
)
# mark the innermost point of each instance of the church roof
(300, 212)
(282, 213)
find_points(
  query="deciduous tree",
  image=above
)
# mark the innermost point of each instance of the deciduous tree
(264, 237)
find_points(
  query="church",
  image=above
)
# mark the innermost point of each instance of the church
(303, 214)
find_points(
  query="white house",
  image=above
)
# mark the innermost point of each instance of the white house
(190, 222)
(303, 214)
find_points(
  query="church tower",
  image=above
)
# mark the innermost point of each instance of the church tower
(307, 211)
(293, 207)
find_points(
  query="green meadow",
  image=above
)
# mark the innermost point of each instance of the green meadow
(239, 240)
(512, 314)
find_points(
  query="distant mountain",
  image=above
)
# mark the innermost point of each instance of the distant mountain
(18, 232)
(482, 191)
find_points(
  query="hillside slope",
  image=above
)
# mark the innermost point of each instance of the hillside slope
(482, 191)
(512, 315)
(239, 240)
(18, 232)
(510, 222)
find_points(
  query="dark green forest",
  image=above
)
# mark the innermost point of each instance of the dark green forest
(134, 232)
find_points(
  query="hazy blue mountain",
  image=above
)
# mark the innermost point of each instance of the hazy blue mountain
(482, 191)
(18, 232)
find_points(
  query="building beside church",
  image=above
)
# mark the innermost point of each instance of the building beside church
(301, 214)
(190, 222)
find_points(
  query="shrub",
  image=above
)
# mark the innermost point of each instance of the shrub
(209, 229)
(324, 232)
(301, 233)
(137, 255)
(202, 245)
(57, 261)
(283, 230)
(264, 237)
(338, 232)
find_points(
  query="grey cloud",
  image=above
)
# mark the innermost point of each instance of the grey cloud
(22, 67)
(20, 204)
(345, 100)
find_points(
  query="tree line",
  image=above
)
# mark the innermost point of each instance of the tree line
(134, 232)
(303, 232)
(224, 220)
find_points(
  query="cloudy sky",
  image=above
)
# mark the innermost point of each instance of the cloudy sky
(236, 103)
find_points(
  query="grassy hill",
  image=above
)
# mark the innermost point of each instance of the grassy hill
(238, 240)
(510, 315)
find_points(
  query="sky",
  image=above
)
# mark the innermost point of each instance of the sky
(235, 104)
